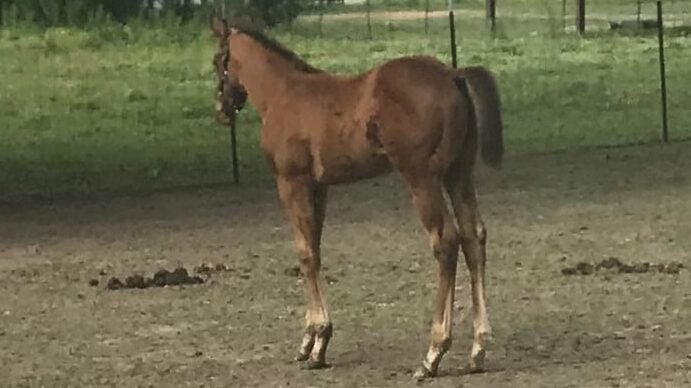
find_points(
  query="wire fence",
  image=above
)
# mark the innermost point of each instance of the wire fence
(515, 18)
(608, 73)
(95, 114)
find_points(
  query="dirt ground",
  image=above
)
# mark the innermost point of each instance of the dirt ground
(242, 326)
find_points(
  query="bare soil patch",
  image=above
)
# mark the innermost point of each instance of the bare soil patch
(242, 326)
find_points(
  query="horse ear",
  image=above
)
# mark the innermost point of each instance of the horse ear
(219, 27)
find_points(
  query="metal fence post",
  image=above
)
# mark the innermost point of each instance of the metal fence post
(663, 81)
(234, 148)
(491, 14)
(426, 16)
(638, 14)
(321, 18)
(452, 30)
(369, 19)
(580, 16)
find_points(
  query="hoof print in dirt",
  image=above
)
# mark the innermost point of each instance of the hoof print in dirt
(613, 264)
(161, 278)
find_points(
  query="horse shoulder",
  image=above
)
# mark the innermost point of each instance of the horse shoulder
(285, 148)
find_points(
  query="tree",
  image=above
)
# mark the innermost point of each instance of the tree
(268, 12)
(63, 12)
(77, 12)
(120, 10)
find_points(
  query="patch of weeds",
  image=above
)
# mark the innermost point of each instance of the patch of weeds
(377, 48)
(39, 121)
(135, 95)
(85, 105)
(195, 111)
(511, 48)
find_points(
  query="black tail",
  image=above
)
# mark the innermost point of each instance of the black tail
(484, 93)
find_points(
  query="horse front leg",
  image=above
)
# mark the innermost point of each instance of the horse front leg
(304, 203)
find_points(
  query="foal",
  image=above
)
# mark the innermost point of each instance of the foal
(413, 115)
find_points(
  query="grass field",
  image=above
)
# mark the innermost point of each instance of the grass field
(115, 109)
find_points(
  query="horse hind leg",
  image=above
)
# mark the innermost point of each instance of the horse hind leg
(473, 238)
(443, 237)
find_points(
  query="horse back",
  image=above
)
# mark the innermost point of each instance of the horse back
(338, 129)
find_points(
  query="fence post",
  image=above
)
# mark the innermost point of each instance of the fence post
(580, 16)
(491, 6)
(234, 148)
(452, 30)
(426, 16)
(663, 83)
(321, 18)
(563, 15)
(638, 14)
(369, 20)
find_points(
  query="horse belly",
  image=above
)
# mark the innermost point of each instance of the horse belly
(344, 167)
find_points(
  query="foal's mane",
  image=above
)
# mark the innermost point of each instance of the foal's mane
(278, 49)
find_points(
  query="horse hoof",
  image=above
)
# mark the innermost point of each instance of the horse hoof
(301, 357)
(313, 365)
(477, 362)
(423, 373)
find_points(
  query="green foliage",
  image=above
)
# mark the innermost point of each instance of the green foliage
(65, 12)
(50, 13)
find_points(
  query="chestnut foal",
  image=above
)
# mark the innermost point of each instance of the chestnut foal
(413, 115)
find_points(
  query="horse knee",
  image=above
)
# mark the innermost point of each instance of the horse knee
(307, 259)
(445, 244)
(476, 232)
(481, 232)
(451, 237)
(441, 339)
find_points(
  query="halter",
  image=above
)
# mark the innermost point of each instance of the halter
(238, 95)
(225, 59)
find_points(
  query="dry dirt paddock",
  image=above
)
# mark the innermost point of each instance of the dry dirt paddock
(241, 327)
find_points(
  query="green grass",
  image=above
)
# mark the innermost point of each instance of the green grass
(131, 109)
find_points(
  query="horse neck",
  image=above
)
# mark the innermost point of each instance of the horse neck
(262, 72)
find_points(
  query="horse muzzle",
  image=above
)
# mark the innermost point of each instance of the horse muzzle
(227, 108)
